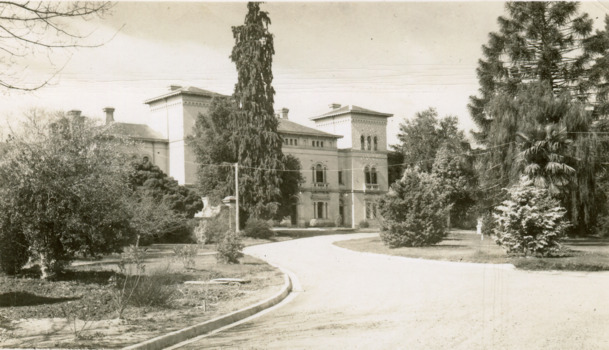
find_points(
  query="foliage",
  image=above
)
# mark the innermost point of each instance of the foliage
(63, 184)
(457, 180)
(37, 29)
(395, 163)
(153, 289)
(414, 211)
(229, 248)
(422, 137)
(338, 221)
(150, 179)
(211, 230)
(187, 254)
(530, 221)
(291, 179)
(255, 139)
(549, 141)
(257, 228)
(536, 42)
(154, 221)
(364, 224)
(14, 248)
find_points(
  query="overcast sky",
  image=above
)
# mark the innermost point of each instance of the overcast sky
(396, 57)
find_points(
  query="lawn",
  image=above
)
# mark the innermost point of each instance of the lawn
(582, 254)
(79, 309)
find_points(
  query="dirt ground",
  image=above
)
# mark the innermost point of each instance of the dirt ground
(32, 312)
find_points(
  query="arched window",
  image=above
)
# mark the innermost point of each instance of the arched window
(361, 139)
(367, 174)
(376, 143)
(369, 143)
(319, 173)
(373, 176)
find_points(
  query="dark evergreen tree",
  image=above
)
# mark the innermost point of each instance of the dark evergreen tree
(537, 41)
(256, 141)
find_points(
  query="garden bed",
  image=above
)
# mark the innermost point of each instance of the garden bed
(79, 309)
(584, 254)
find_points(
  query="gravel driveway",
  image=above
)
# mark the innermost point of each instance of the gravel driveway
(352, 300)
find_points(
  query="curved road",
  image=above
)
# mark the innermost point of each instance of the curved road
(352, 300)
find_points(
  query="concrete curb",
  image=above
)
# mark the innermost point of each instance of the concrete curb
(181, 335)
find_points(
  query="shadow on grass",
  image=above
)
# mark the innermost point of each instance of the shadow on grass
(28, 299)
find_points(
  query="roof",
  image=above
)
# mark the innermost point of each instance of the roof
(289, 127)
(186, 90)
(136, 131)
(352, 109)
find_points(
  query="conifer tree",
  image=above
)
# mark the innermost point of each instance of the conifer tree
(537, 41)
(256, 141)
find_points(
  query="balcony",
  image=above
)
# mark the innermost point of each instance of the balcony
(372, 187)
(320, 186)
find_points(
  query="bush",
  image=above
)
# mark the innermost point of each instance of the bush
(156, 289)
(229, 248)
(321, 223)
(257, 228)
(364, 224)
(530, 221)
(414, 211)
(338, 222)
(14, 252)
(211, 230)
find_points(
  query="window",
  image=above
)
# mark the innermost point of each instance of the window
(370, 174)
(312, 143)
(295, 142)
(322, 144)
(320, 210)
(369, 146)
(320, 174)
(340, 178)
(291, 142)
(376, 143)
(371, 210)
(373, 175)
(361, 140)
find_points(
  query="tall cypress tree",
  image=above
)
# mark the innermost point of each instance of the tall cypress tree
(256, 140)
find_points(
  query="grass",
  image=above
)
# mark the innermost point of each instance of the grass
(584, 254)
(34, 310)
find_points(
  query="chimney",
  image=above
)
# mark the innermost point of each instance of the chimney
(75, 113)
(284, 113)
(334, 106)
(109, 115)
(174, 87)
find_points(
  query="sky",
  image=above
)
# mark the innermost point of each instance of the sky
(392, 57)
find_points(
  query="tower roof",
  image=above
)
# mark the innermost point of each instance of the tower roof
(353, 110)
(184, 90)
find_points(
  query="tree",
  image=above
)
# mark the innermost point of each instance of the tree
(36, 29)
(537, 41)
(63, 182)
(414, 211)
(458, 182)
(421, 137)
(530, 221)
(255, 140)
(550, 143)
(291, 179)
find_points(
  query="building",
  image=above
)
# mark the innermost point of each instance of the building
(344, 158)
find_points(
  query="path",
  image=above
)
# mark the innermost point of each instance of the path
(354, 300)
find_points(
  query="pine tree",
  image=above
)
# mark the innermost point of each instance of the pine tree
(257, 142)
(538, 41)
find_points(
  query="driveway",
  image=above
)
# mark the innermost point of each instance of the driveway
(352, 300)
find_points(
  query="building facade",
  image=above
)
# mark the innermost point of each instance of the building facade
(343, 159)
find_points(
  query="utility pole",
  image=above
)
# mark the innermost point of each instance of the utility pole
(237, 197)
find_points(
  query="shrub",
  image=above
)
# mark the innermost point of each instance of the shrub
(257, 228)
(186, 254)
(212, 230)
(530, 221)
(364, 224)
(156, 289)
(229, 248)
(414, 211)
(13, 249)
(488, 224)
(338, 221)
